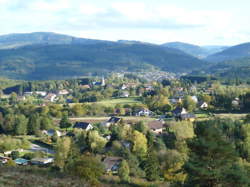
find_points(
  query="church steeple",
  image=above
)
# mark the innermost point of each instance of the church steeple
(103, 81)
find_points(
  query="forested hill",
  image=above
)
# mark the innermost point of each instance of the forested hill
(232, 53)
(232, 69)
(47, 61)
(49, 38)
(195, 50)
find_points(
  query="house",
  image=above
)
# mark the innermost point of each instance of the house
(181, 114)
(176, 100)
(63, 92)
(21, 161)
(52, 132)
(111, 164)
(156, 126)
(83, 125)
(41, 93)
(203, 105)
(236, 103)
(143, 112)
(187, 117)
(123, 87)
(86, 86)
(42, 161)
(3, 159)
(124, 94)
(102, 83)
(179, 111)
(194, 98)
(50, 97)
(112, 121)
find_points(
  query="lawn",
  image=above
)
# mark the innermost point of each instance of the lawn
(121, 101)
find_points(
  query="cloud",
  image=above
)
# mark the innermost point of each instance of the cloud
(118, 19)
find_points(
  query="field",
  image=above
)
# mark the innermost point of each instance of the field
(121, 101)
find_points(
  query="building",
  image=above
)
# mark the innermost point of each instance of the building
(111, 164)
(112, 121)
(182, 114)
(156, 126)
(124, 94)
(21, 161)
(42, 161)
(83, 125)
(63, 92)
(143, 112)
(52, 132)
(203, 105)
(51, 97)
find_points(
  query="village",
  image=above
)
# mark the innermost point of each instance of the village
(112, 117)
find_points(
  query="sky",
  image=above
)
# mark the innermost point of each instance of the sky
(201, 22)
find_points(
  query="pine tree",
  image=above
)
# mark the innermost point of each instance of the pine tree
(124, 171)
(152, 166)
(65, 123)
(211, 157)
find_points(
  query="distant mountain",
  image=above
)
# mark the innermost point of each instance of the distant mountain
(232, 53)
(18, 40)
(195, 50)
(42, 62)
(232, 69)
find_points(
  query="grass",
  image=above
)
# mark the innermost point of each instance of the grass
(30, 176)
(121, 101)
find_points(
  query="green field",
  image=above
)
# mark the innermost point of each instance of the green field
(121, 101)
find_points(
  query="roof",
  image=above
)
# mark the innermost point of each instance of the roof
(114, 119)
(178, 110)
(21, 161)
(110, 162)
(156, 124)
(82, 125)
(187, 116)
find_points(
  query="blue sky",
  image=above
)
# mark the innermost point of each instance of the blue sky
(203, 22)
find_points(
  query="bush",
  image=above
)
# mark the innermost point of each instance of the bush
(14, 155)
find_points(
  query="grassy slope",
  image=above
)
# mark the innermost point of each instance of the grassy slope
(121, 101)
(39, 177)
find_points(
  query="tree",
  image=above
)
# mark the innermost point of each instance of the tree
(62, 151)
(88, 168)
(46, 123)
(14, 155)
(34, 125)
(21, 123)
(96, 142)
(123, 172)
(141, 127)
(139, 144)
(65, 123)
(211, 158)
(152, 166)
(189, 103)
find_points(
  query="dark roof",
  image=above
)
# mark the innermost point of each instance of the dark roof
(177, 110)
(187, 116)
(114, 120)
(156, 124)
(110, 162)
(81, 125)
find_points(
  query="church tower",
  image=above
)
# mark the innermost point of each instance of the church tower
(103, 81)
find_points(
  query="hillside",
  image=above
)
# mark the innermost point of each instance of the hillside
(232, 53)
(40, 62)
(18, 40)
(195, 50)
(239, 68)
